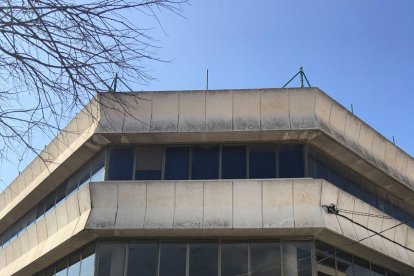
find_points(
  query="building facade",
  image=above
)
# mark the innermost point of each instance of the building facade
(219, 182)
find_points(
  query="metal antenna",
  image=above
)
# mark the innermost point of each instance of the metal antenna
(302, 78)
(207, 79)
(352, 109)
(115, 82)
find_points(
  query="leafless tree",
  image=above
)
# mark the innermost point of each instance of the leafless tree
(56, 54)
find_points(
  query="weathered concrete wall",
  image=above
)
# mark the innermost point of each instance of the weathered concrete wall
(57, 227)
(241, 208)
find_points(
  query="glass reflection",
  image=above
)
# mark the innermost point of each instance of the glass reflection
(234, 258)
(203, 259)
(142, 259)
(265, 258)
(173, 259)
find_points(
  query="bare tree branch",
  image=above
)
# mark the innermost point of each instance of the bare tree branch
(55, 55)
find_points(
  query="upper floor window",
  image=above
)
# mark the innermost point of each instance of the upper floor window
(206, 161)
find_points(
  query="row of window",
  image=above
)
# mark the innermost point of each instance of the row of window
(322, 167)
(215, 257)
(81, 263)
(206, 162)
(91, 171)
(332, 261)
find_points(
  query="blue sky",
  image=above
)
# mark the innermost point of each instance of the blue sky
(358, 52)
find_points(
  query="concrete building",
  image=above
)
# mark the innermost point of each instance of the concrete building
(223, 182)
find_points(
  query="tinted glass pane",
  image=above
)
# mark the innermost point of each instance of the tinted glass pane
(234, 259)
(173, 259)
(40, 209)
(376, 270)
(325, 259)
(61, 268)
(31, 217)
(297, 258)
(291, 161)
(262, 163)
(203, 259)
(148, 163)
(361, 267)
(71, 185)
(392, 273)
(50, 201)
(98, 168)
(111, 260)
(265, 259)
(60, 192)
(120, 164)
(205, 162)
(88, 261)
(74, 265)
(50, 271)
(142, 259)
(344, 263)
(233, 162)
(177, 161)
(85, 174)
(311, 166)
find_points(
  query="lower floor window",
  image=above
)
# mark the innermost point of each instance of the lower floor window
(267, 257)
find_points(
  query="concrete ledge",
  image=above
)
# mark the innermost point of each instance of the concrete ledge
(242, 207)
(45, 235)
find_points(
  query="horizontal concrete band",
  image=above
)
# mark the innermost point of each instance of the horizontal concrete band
(191, 209)
(243, 207)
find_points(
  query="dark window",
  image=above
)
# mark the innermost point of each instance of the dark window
(177, 162)
(361, 266)
(265, 259)
(72, 184)
(325, 259)
(50, 271)
(234, 258)
(392, 273)
(291, 161)
(60, 192)
(111, 260)
(297, 258)
(120, 164)
(98, 168)
(344, 263)
(50, 201)
(203, 259)
(40, 209)
(61, 268)
(262, 162)
(173, 259)
(205, 162)
(376, 270)
(233, 162)
(74, 265)
(88, 261)
(85, 174)
(148, 163)
(142, 259)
